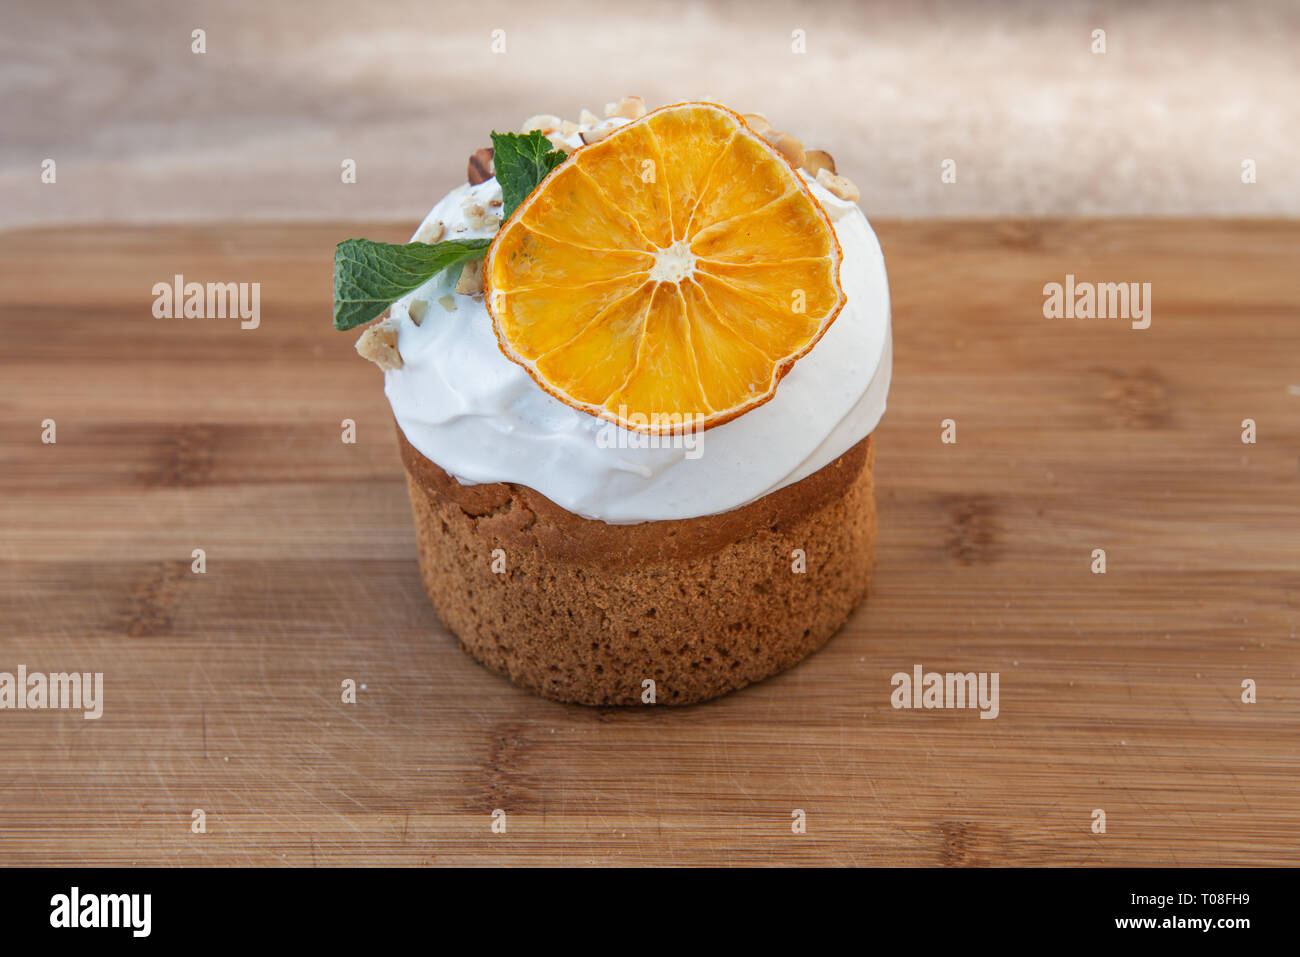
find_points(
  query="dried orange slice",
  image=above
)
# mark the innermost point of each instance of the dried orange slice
(667, 276)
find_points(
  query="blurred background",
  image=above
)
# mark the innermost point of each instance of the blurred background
(142, 129)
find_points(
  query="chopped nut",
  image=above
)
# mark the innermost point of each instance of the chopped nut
(757, 122)
(588, 118)
(480, 216)
(568, 127)
(494, 203)
(838, 185)
(417, 309)
(379, 344)
(598, 132)
(481, 167)
(557, 141)
(814, 161)
(788, 146)
(630, 108)
(430, 232)
(542, 123)
(470, 282)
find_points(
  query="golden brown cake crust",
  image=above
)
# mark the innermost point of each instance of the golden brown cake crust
(586, 612)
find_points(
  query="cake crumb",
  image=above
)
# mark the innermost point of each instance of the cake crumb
(417, 310)
(379, 344)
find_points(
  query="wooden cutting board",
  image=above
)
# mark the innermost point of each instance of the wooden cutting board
(1119, 691)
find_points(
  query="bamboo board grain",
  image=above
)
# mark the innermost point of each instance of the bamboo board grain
(1119, 691)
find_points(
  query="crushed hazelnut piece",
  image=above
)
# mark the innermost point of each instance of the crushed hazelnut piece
(379, 344)
(598, 132)
(789, 147)
(838, 185)
(568, 127)
(481, 168)
(757, 122)
(814, 161)
(470, 282)
(417, 309)
(480, 216)
(630, 108)
(557, 141)
(588, 118)
(430, 232)
(542, 123)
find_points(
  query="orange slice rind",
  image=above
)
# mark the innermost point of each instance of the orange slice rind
(667, 276)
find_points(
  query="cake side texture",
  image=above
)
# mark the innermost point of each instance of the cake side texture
(582, 611)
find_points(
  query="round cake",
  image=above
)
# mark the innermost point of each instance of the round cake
(594, 561)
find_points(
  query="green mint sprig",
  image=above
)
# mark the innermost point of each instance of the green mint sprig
(369, 277)
(522, 161)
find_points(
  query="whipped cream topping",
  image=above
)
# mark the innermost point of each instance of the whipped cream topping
(462, 404)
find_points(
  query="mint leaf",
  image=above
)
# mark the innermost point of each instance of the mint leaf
(370, 276)
(522, 161)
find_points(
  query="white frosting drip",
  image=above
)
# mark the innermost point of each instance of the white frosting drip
(461, 403)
